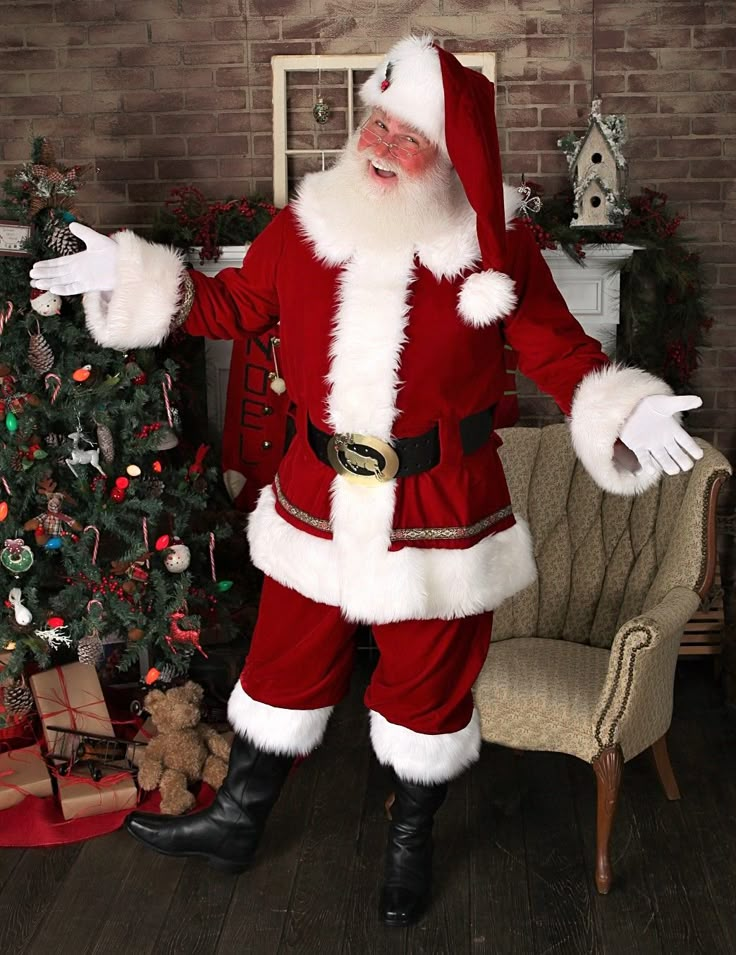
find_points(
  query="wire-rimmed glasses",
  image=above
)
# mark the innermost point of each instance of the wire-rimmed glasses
(405, 147)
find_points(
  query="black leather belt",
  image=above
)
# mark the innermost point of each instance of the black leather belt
(419, 453)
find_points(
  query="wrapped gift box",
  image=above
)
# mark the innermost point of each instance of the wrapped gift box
(80, 795)
(23, 772)
(70, 697)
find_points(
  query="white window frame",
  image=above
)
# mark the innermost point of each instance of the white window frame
(282, 65)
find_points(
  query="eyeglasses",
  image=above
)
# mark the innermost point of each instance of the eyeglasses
(405, 147)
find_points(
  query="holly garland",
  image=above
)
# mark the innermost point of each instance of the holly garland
(189, 219)
(663, 310)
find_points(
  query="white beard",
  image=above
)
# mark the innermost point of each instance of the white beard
(411, 210)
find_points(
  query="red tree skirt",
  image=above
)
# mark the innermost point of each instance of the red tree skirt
(39, 822)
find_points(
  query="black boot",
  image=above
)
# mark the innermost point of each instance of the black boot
(225, 834)
(407, 886)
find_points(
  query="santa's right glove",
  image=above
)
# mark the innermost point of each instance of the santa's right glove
(93, 270)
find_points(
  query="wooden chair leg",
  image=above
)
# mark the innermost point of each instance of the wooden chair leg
(608, 768)
(664, 768)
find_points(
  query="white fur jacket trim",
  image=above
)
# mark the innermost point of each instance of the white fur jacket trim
(139, 312)
(375, 585)
(603, 401)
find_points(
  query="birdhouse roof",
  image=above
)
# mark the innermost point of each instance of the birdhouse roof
(612, 128)
(591, 178)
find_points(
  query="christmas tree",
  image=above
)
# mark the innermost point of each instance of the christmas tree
(107, 553)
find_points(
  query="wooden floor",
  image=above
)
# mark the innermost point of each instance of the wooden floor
(514, 859)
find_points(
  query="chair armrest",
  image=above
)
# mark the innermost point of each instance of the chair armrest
(635, 705)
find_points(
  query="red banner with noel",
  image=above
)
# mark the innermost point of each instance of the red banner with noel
(254, 432)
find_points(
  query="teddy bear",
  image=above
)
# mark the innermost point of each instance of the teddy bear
(183, 751)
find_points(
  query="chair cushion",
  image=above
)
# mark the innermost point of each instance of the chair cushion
(541, 694)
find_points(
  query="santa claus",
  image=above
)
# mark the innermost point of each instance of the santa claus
(396, 276)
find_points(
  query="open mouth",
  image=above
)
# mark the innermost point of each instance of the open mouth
(382, 172)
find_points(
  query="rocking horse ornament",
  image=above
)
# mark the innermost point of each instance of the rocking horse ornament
(81, 455)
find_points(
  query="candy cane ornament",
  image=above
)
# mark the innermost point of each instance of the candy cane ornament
(95, 548)
(51, 377)
(5, 315)
(166, 388)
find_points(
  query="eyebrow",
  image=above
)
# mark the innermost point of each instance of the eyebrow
(379, 114)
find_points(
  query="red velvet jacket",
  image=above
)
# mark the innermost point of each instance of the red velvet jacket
(376, 343)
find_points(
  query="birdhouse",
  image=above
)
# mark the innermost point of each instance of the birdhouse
(598, 171)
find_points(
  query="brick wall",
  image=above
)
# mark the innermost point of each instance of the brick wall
(165, 92)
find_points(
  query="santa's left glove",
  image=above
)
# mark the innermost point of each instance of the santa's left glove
(653, 432)
(93, 270)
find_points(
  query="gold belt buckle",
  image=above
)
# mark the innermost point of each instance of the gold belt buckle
(362, 459)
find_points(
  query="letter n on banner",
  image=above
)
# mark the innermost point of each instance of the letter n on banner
(255, 419)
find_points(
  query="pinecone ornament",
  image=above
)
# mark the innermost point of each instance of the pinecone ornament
(18, 700)
(105, 443)
(59, 239)
(40, 356)
(89, 650)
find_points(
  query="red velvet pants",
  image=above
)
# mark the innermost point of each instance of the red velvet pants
(302, 652)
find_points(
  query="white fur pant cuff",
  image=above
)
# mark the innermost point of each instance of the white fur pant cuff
(425, 758)
(274, 728)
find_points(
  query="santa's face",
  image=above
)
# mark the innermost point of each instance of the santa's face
(394, 150)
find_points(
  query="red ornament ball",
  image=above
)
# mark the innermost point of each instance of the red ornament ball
(117, 494)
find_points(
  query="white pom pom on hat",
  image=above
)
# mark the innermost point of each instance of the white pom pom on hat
(454, 106)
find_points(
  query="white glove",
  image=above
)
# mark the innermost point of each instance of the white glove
(93, 270)
(657, 438)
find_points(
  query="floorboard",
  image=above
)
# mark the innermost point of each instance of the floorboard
(319, 906)
(29, 893)
(559, 883)
(515, 848)
(499, 890)
(364, 931)
(145, 894)
(445, 929)
(625, 917)
(71, 924)
(255, 920)
(9, 859)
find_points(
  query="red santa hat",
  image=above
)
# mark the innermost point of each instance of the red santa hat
(454, 106)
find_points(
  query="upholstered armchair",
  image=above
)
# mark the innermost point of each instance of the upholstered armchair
(583, 661)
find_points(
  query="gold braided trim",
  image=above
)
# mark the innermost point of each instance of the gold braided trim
(450, 533)
(186, 300)
(297, 512)
(403, 534)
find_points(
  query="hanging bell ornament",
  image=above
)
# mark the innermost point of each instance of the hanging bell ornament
(276, 382)
(321, 111)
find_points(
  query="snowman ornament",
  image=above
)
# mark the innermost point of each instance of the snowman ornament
(177, 557)
(45, 303)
